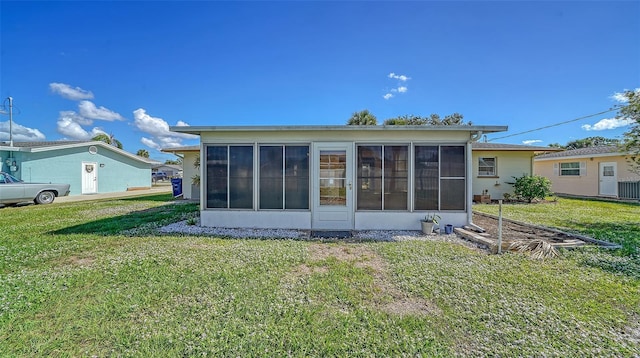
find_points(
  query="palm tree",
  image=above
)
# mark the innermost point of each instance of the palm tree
(109, 139)
(363, 118)
(143, 153)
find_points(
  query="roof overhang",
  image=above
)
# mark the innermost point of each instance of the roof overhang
(197, 130)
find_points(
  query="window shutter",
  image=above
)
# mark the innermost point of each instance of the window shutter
(556, 169)
(583, 169)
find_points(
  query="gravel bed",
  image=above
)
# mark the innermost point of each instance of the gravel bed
(365, 235)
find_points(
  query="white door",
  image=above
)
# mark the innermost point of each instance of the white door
(89, 178)
(332, 186)
(608, 179)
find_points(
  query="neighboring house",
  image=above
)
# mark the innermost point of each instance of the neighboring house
(90, 167)
(496, 165)
(189, 155)
(335, 177)
(171, 170)
(592, 172)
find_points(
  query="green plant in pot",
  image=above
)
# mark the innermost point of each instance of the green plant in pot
(429, 222)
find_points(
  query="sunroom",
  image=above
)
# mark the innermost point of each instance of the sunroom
(335, 177)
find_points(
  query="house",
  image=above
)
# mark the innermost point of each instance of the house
(592, 172)
(335, 177)
(90, 167)
(495, 167)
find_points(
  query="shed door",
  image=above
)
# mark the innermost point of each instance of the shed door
(332, 186)
(89, 178)
(608, 179)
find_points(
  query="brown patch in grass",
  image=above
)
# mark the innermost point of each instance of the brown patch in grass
(388, 298)
(79, 261)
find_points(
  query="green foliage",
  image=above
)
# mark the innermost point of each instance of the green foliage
(631, 141)
(142, 153)
(362, 118)
(455, 119)
(530, 187)
(432, 218)
(109, 139)
(596, 141)
(173, 161)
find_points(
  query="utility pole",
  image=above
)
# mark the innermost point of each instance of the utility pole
(10, 122)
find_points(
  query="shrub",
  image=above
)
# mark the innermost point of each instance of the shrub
(530, 187)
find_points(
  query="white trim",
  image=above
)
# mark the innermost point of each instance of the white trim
(583, 156)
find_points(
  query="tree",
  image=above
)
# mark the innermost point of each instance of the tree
(591, 142)
(405, 120)
(362, 118)
(455, 119)
(630, 111)
(142, 153)
(109, 139)
(173, 161)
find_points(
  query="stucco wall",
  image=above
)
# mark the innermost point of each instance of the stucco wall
(586, 184)
(509, 164)
(115, 172)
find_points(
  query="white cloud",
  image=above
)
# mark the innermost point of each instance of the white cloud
(89, 110)
(158, 128)
(402, 89)
(70, 127)
(607, 123)
(150, 143)
(402, 78)
(69, 92)
(387, 96)
(531, 141)
(620, 97)
(20, 133)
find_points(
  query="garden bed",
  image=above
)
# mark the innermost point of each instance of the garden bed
(515, 231)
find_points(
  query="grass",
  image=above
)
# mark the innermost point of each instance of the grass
(95, 279)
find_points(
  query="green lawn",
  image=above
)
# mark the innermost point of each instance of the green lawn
(95, 279)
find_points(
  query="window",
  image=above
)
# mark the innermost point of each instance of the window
(608, 171)
(440, 179)
(487, 167)
(570, 169)
(382, 182)
(229, 176)
(284, 177)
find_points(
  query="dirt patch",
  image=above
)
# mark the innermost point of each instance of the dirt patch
(513, 231)
(79, 261)
(389, 298)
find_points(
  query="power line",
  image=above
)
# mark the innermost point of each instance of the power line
(553, 125)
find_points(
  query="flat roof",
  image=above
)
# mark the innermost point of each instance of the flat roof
(466, 128)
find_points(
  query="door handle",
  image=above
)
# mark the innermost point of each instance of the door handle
(349, 185)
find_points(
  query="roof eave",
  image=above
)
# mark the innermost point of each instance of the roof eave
(200, 129)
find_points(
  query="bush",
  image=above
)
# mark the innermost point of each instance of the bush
(530, 187)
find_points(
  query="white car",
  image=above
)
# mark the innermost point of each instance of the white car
(15, 191)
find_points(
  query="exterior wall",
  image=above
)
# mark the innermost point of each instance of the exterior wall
(509, 164)
(260, 136)
(293, 219)
(389, 220)
(190, 191)
(115, 172)
(586, 184)
(302, 219)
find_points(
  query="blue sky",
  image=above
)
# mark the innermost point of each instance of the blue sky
(132, 69)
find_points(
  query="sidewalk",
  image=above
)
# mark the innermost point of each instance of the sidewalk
(156, 189)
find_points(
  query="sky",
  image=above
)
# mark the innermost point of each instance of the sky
(132, 69)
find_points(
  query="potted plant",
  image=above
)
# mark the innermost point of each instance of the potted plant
(429, 221)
